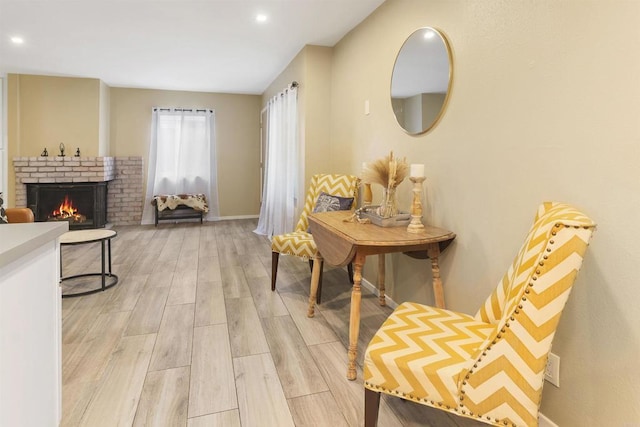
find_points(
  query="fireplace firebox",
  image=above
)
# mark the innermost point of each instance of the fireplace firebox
(82, 204)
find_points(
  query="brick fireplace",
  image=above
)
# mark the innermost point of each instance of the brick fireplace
(120, 177)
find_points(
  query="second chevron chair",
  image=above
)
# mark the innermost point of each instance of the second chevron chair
(300, 242)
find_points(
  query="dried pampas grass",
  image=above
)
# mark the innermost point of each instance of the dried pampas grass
(387, 171)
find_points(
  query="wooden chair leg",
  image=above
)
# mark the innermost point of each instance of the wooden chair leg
(319, 293)
(371, 406)
(350, 271)
(275, 256)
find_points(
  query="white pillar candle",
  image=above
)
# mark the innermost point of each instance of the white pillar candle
(417, 170)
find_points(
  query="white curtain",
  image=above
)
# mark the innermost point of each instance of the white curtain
(280, 192)
(182, 157)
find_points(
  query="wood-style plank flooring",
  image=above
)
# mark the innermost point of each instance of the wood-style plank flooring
(193, 336)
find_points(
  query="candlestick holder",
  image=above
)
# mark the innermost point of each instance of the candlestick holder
(416, 226)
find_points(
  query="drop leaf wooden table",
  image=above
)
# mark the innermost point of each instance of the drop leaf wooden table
(340, 243)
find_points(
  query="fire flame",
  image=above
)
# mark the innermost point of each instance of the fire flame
(66, 212)
(66, 209)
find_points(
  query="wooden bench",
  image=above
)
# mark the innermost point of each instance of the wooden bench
(180, 207)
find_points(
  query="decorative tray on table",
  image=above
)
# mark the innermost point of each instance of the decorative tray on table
(401, 220)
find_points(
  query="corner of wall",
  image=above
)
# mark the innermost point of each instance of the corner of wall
(104, 142)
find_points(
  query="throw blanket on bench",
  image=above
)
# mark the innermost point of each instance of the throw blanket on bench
(195, 201)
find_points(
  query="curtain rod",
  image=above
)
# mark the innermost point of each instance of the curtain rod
(183, 109)
(294, 84)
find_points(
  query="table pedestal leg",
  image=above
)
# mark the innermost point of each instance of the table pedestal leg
(434, 252)
(381, 279)
(354, 318)
(315, 278)
(104, 280)
(109, 246)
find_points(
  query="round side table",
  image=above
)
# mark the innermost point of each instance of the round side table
(81, 237)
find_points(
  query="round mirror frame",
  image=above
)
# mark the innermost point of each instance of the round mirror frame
(445, 101)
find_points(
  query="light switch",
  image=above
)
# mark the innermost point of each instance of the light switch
(366, 107)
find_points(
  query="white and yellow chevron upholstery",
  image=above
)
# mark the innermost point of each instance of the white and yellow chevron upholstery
(299, 242)
(490, 366)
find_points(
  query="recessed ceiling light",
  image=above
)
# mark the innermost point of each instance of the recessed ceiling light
(428, 34)
(17, 40)
(261, 17)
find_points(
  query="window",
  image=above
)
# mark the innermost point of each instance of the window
(182, 157)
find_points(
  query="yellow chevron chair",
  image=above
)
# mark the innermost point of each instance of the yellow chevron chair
(300, 243)
(489, 367)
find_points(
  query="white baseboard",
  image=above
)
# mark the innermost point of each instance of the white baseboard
(543, 421)
(218, 218)
(374, 290)
(227, 218)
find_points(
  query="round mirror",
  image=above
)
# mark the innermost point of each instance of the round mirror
(421, 80)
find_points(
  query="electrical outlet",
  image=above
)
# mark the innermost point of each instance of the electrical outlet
(552, 370)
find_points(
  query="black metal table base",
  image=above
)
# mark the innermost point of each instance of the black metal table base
(92, 291)
(104, 274)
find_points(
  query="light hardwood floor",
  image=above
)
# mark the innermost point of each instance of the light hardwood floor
(193, 336)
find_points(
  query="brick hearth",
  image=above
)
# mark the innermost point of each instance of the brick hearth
(125, 175)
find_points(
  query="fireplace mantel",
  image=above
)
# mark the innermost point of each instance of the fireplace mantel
(57, 169)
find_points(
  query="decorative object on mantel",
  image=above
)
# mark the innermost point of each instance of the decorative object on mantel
(417, 177)
(61, 149)
(77, 152)
(388, 172)
(44, 153)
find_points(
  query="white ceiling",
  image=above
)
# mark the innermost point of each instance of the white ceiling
(194, 45)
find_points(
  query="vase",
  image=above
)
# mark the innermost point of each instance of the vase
(389, 206)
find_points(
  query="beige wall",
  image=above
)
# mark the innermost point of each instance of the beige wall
(54, 110)
(104, 145)
(544, 106)
(44, 111)
(237, 137)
